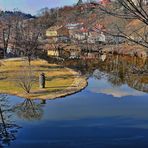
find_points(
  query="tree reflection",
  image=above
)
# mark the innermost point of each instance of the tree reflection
(127, 70)
(29, 110)
(118, 70)
(7, 129)
(98, 74)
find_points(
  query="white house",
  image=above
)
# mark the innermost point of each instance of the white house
(102, 37)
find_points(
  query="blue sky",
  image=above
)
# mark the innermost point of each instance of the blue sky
(32, 6)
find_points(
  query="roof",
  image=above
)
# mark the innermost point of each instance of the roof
(84, 30)
(54, 28)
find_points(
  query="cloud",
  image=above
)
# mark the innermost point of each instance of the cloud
(120, 93)
(104, 87)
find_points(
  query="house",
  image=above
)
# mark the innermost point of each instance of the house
(84, 31)
(63, 34)
(74, 54)
(90, 55)
(57, 33)
(96, 33)
(99, 27)
(101, 38)
(77, 31)
(73, 50)
(52, 33)
(81, 34)
(105, 2)
(52, 50)
(73, 28)
(95, 37)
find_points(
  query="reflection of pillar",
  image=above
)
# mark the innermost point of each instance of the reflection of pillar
(43, 101)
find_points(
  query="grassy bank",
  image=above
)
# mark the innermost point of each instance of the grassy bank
(60, 81)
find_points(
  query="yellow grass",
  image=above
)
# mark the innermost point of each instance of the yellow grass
(60, 81)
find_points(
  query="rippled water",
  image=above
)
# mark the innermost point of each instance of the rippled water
(112, 111)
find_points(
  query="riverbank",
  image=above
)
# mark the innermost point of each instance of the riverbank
(74, 50)
(127, 50)
(60, 81)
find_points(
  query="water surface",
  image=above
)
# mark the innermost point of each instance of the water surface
(112, 111)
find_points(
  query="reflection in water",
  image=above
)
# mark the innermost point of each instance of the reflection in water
(7, 129)
(118, 70)
(91, 118)
(103, 86)
(29, 110)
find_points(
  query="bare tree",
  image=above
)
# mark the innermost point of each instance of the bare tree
(47, 17)
(28, 38)
(5, 32)
(129, 10)
(26, 79)
(17, 23)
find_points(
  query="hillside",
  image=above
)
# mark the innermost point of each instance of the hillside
(92, 17)
(5, 14)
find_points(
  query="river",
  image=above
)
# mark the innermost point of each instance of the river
(111, 112)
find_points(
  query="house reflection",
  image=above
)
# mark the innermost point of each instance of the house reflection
(118, 69)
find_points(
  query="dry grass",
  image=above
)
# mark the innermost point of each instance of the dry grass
(59, 80)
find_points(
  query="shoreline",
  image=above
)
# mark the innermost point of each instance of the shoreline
(121, 49)
(78, 84)
(127, 50)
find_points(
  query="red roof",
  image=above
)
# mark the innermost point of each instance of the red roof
(84, 29)
(99, 26)
(104, 2)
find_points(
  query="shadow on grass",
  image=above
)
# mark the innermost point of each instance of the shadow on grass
(47, 70)
(61, 77)
(3, 78)
(53, 90)
(61, 86)
(44, 92)
(52, 67)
